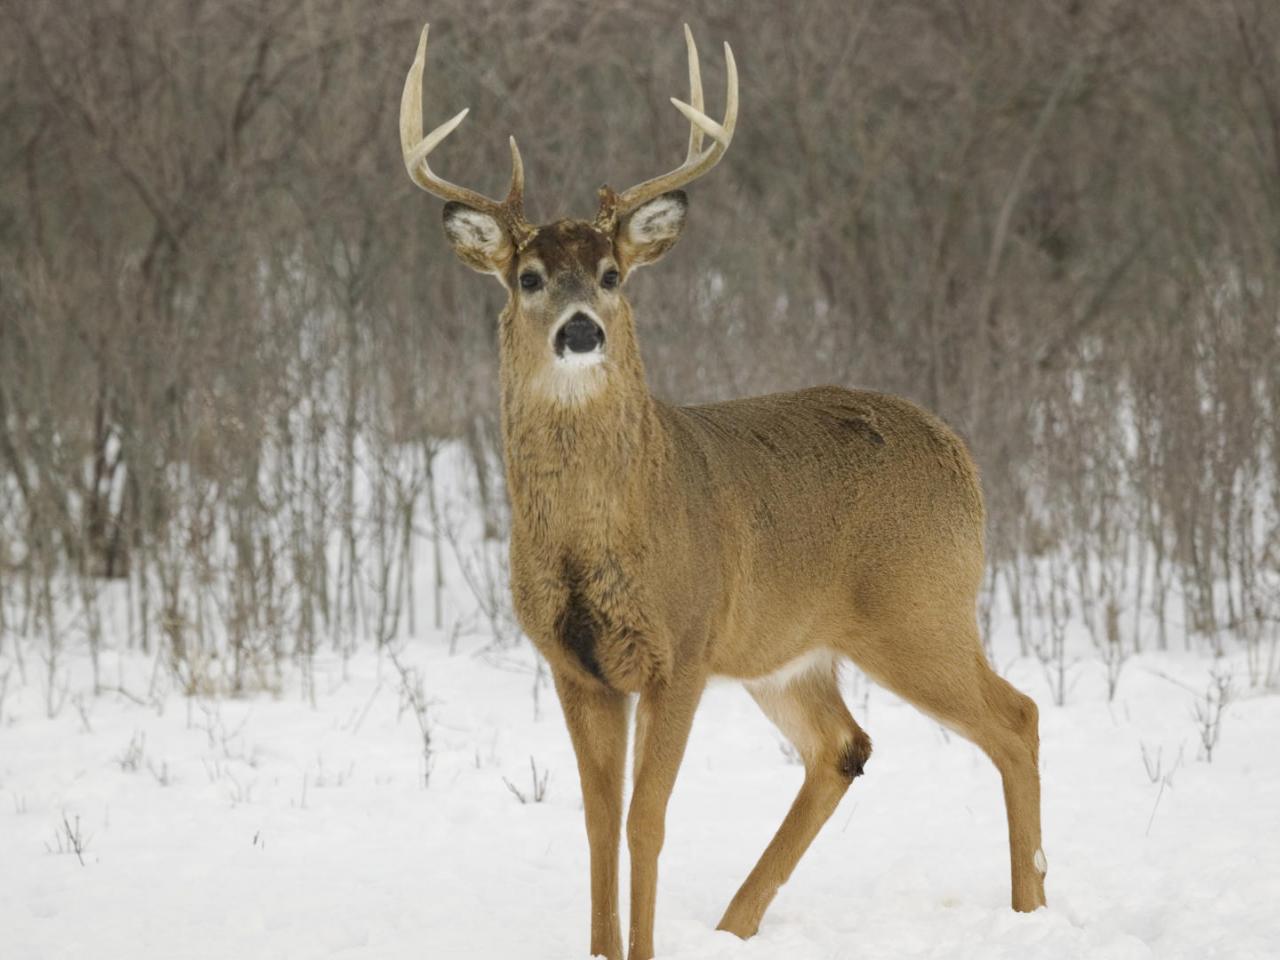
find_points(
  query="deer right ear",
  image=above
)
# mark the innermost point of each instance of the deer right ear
(479, 240)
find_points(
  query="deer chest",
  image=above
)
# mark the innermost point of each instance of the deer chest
(587, 615)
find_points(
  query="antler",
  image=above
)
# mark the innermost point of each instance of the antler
(697, 161)
(416, 148)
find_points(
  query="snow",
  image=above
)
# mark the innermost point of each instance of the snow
(266, 827)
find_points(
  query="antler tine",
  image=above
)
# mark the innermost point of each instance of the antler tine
(696, 163)
(695, 93)
(416, 149)
(515, 193)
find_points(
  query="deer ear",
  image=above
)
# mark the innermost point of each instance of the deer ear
(479, 240)
(652, 229)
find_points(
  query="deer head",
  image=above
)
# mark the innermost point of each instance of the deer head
(567, 324)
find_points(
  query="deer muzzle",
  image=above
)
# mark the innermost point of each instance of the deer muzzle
(580, 334)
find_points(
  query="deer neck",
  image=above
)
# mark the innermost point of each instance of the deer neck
(580, 466)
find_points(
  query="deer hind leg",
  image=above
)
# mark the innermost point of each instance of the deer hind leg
(812, 715)
(953, 683)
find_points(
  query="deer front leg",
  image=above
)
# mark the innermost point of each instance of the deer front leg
(597, 721)
(664, 716)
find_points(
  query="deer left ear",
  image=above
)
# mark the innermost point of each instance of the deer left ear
(652, 229)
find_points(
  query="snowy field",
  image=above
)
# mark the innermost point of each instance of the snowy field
(268, 827)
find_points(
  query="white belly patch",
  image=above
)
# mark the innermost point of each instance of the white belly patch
(793, 670)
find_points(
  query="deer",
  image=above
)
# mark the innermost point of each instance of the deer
(766, 540)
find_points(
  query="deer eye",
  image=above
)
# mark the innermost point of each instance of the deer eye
(610, 279)
(529, 280)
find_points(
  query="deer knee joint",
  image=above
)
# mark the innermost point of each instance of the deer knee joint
(1028, 725)
(853, 756)
(645, 832)
(1028, 716)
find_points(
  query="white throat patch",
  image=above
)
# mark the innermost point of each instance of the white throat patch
(574, 378)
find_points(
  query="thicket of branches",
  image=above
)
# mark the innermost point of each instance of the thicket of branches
(233, 342)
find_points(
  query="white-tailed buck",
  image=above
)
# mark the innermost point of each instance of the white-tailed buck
(655, 546)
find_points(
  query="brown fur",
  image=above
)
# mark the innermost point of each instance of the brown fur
(654, 546)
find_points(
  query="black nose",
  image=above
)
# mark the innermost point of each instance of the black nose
(581, 335)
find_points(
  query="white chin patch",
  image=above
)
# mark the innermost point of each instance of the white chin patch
(571, 360)
(1041, 863)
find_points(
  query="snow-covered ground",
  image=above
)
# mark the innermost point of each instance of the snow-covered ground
(266, 827)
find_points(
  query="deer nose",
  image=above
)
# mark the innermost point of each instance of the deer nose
(580, 334)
